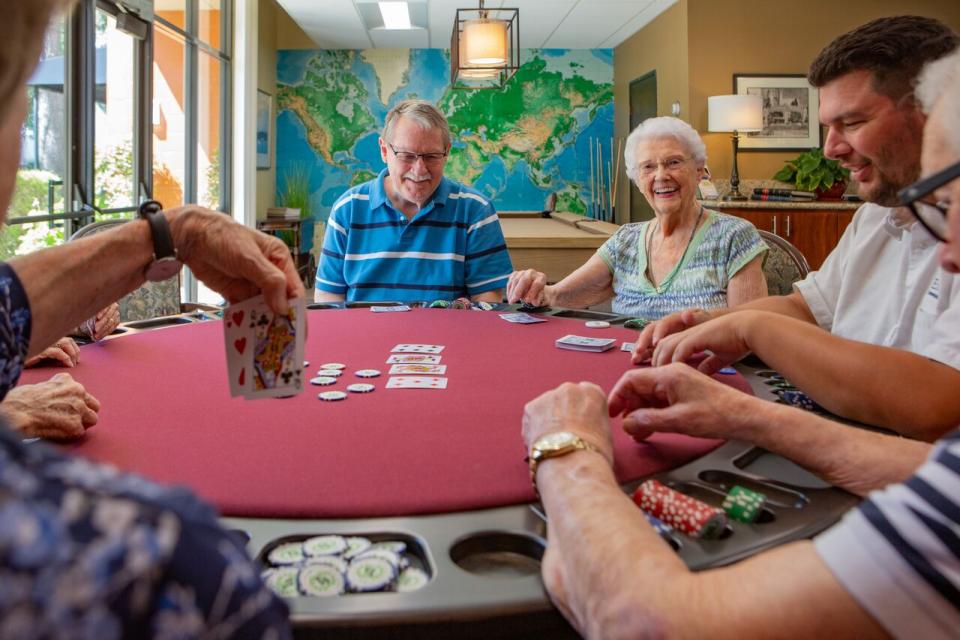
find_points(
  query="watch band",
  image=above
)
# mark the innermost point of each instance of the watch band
(537, 456)
(165, 263)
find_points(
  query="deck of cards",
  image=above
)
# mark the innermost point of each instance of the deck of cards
(583, 343)
(264, 349)
(521, 318)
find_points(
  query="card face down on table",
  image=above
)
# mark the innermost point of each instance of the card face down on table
(264, 349)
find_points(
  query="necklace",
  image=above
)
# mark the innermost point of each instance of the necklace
(649, 272)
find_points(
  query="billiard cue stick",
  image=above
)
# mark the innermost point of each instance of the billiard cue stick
(616, 175)
(590, 208)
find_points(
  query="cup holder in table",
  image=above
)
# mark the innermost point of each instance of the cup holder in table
(324, 305)
(368, 304)
(776, 496)
(498, 554)
(761, 462)
(581, 314)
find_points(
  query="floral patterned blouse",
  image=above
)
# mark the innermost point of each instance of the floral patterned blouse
(89, 552)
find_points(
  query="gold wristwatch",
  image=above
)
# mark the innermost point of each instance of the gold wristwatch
(554, 445)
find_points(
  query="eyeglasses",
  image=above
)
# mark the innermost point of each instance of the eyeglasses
(933, 217)
(409, 157)
(670, 165)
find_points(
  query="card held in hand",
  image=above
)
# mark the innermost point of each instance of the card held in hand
(265, 349)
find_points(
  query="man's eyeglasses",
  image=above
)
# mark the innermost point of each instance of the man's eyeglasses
(932, 216)
(409, 157)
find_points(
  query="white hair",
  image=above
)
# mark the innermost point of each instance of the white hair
(940, 80)
(663, 127)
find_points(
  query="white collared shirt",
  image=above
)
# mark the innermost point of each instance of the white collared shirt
(883, 285)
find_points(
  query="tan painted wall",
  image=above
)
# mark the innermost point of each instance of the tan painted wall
(660, 46)
(289, 33)
(267, 81)
(757, 36)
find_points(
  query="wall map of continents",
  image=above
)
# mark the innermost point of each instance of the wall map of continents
(516, 145)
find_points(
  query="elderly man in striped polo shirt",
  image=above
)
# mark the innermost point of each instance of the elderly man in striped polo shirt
(411, 234)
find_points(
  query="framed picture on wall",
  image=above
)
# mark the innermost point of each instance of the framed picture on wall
(790, 112)
(264, 120)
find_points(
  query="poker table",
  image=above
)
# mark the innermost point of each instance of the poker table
(441, 470)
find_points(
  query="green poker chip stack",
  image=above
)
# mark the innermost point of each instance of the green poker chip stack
(743, 505)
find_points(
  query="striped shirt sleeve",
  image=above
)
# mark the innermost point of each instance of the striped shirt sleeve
(898, 553)
(487, 264)
(744, 245)
(330, 274)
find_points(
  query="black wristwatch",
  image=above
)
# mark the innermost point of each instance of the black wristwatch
(165, 262)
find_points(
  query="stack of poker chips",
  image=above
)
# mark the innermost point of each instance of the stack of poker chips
(664, 530)
(744, 505)
(685, 514)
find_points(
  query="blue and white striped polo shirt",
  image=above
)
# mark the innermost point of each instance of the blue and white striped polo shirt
(898, 553)
(453, 247)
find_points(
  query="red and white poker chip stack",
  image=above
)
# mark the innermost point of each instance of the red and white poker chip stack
(685, 514)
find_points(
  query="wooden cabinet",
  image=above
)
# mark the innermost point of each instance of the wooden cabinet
(815, 232)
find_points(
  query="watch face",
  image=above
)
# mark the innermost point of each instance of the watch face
(162, 269)
(556, 441)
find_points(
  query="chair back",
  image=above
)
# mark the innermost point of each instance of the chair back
(152, 299)
(783, 264)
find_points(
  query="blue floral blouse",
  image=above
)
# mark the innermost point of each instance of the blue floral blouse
(89, 552)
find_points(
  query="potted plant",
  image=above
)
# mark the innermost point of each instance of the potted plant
(812, 171)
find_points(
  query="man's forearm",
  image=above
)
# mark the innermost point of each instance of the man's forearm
(792, 306)
(853, 459)
(881, 386)
(495, 296)
(324, 296)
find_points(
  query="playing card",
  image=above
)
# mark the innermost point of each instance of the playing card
(417, 382)
(273, 358)
(627, 346)
(417, 348)
(413, 358)
(422, 369)
(521, 318)
(583, 343)
(238, 342)
(391, 309)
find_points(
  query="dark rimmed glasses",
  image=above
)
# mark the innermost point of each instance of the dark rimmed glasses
(933, 216)
(409, 157)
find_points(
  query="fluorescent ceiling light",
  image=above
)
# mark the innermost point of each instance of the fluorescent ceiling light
(396, 15)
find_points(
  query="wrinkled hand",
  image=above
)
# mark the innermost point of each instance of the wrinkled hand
(106, 321)
(235, 261)
(656, 331)
(677, 398)
(64, 351)
(725, 338)
(527, 286)
(577, 407)
(58, 409)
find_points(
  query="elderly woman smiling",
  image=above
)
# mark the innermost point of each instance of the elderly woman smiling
(686, 257)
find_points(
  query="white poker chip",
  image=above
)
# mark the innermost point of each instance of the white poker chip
(333, 365)
(323, 381)
(332, 396)
(597, 324)
(332, 373)
(360, 387)
(306, 363)
(367, 373)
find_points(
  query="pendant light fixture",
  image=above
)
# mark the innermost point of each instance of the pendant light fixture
(484, 48)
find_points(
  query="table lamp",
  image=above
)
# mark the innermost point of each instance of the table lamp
(736, 114)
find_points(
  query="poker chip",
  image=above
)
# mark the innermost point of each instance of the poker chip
(743, 505)
(385, 554)
(288, 553)
(324, 545)
(306, 363)
(636, 323)
(411, 579)
(323, 381)
(439, 304)
(332, 373)
(461, 303)
(597, 324)
(682, 512)
(727, 371)
(799, 399)
(360, 387)
(333, 365)
(391, 545)
(332, 396)
(664, 530)
(367, 373)
(320, 580)
(370, 574)
(355, 546)
(484, 306)
(283, 581)
(336, 562)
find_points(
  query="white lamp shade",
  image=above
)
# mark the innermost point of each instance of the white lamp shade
(734, 113)
(485, 42)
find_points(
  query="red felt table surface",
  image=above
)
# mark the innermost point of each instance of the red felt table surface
(166, 413)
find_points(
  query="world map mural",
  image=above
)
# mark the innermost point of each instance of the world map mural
(515, 145)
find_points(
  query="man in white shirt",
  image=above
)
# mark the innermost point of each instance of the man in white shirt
(871, 336)
(891, 567)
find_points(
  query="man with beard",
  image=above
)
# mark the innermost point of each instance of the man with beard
(868, 336)
(411, 234)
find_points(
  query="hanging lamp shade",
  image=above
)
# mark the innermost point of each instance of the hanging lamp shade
(484, 48)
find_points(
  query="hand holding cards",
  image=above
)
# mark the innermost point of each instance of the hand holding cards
(264, 349)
